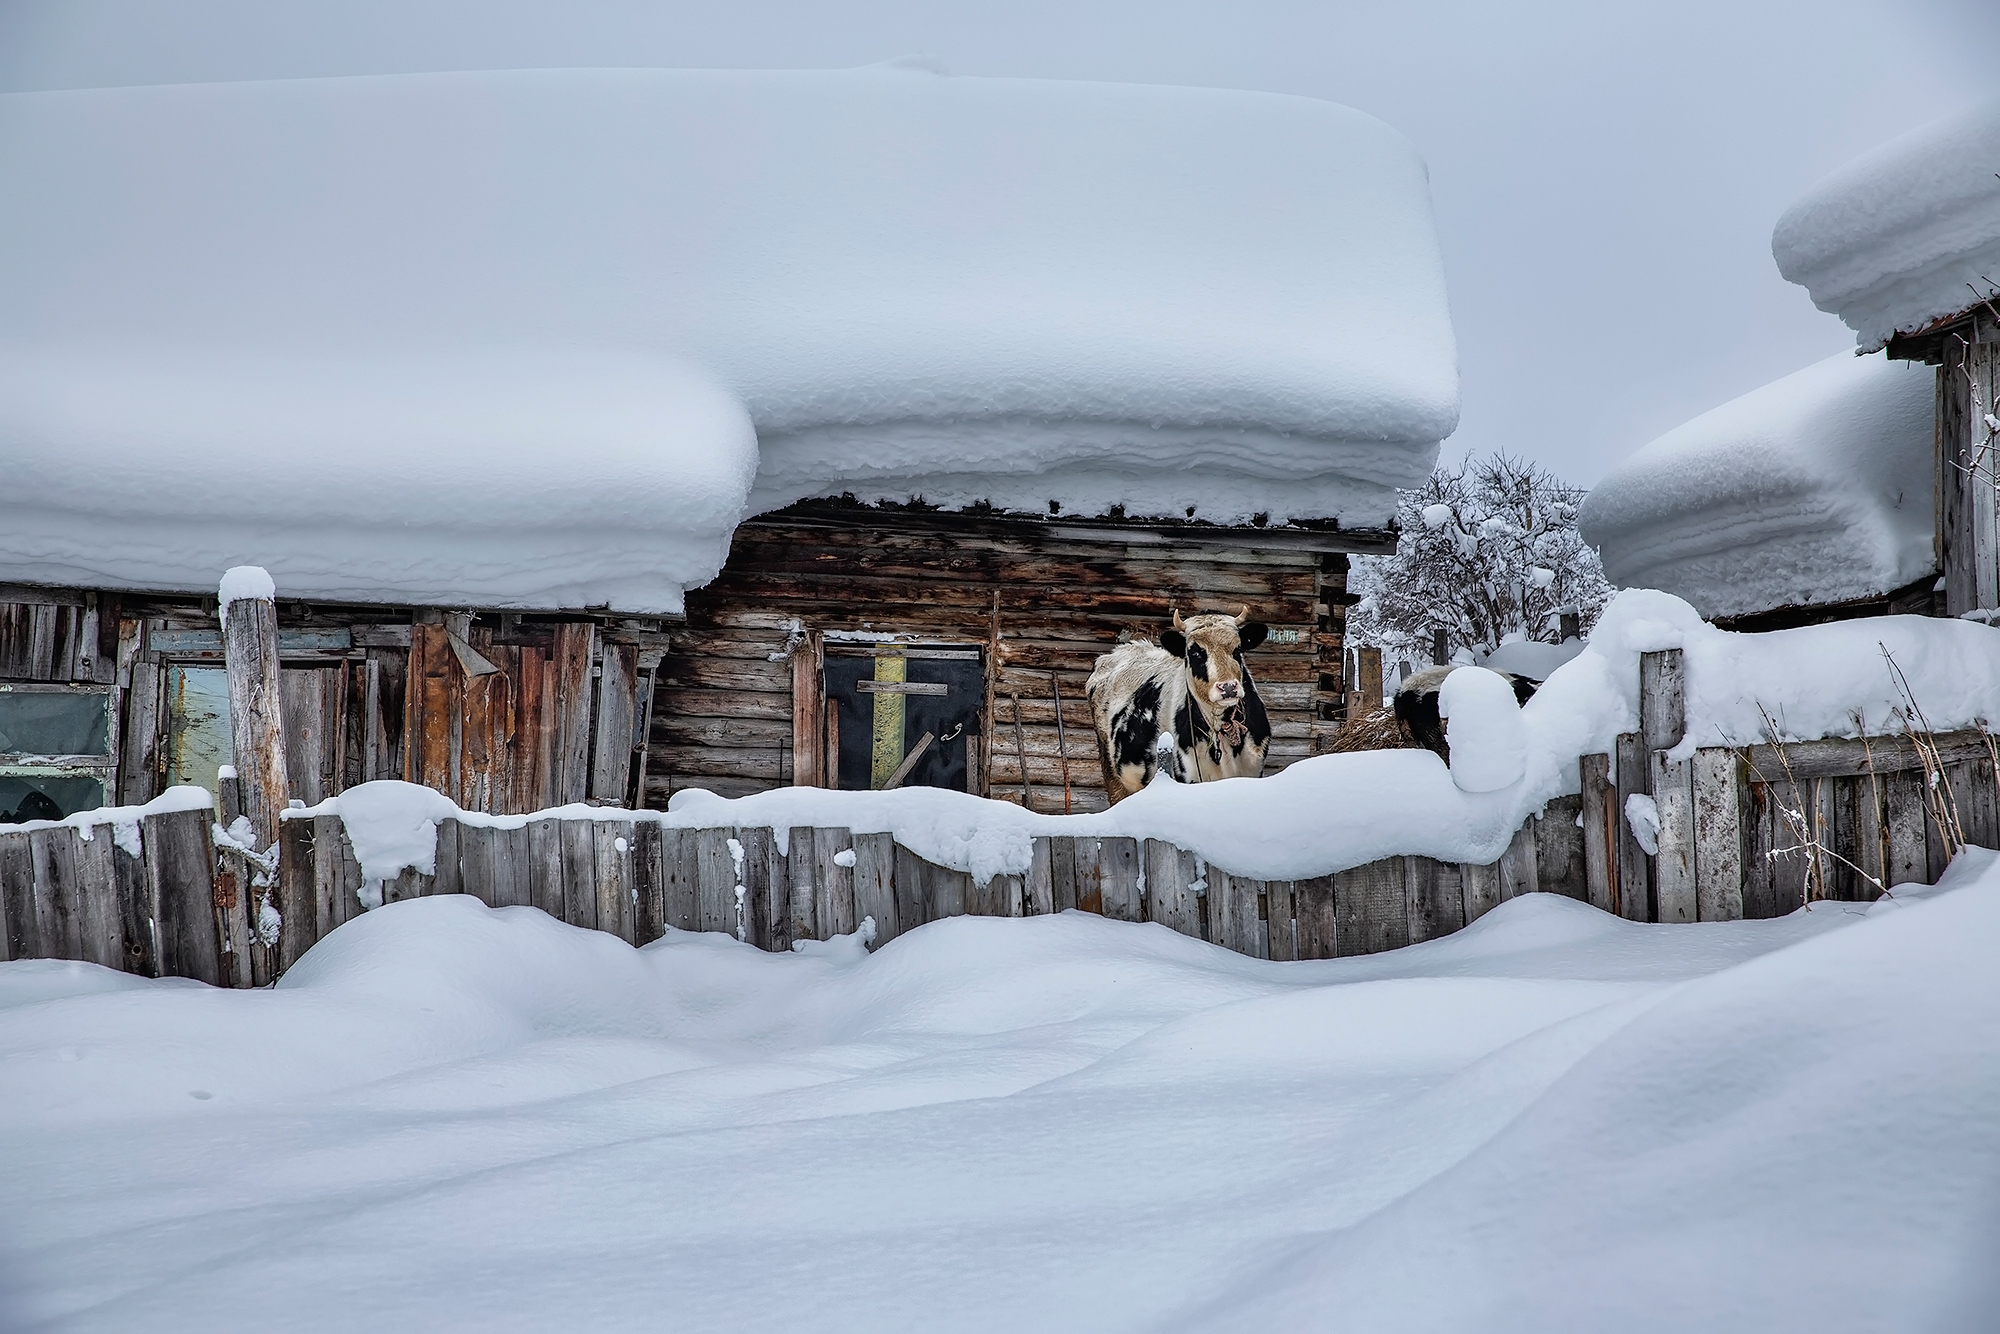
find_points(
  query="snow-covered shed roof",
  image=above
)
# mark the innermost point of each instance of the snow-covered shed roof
(1904, 235)
(1813, 489)
(998, 290)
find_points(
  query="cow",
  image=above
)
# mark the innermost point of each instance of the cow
(1185, 705)
(1410, 721)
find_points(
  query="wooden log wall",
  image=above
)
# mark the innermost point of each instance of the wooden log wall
(728, 710)
(187, 908)
(511, 713)
(1968, 470)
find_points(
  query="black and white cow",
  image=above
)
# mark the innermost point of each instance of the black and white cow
(1186, 705)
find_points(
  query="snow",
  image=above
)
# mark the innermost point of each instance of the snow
(509, 313)
(1333, 812)
(535, 478)
(1642, 814)
(124, 820)
(1483, 726)
(447, 1116)
(243, 583)
(1531, 657)
(1815, 488)
(1904, 235)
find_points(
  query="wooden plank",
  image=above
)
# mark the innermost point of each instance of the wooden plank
(1369, 905)
(256, 713)
(1433, 897)
(649, 912)
(17, 897)
(766, 889)
(682, 893)
(311, 700)
(1171, 900)
(57, 893)
(297, 891)
(139, 736)
(875, 884)
(1662, 698)
(1281, 935)
(1118, 884)
(475, 861)
(1847, 757)
(1559, 867)
(617, 710)
(336, 874)
(513, 867)
(611, 848)
(1232, 912)
(1481, 888)
(1039, 893)
(545, 867)
(1062, 873)
(569, 673)
(947, 892)
(447, 876)
(103, 934)
(1089, 865)
(1600, 833)
(808, 712)
(1006, 896)
(1634, 773)
(1717, 774)
(802, 895)
(1903, 801)
(1519, 873)
(579, 854)
(1674, 893)
(136, 910)
(408, 884)
(1313, 906)
(833, 884)
(180, 864)
(912, 897)
(715, 880)
(1754, 820)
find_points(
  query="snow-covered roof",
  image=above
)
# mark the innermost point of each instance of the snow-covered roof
(1014, 291)
(1905, 235)
(1813, 489)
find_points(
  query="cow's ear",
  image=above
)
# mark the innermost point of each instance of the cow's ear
(1251, 635)
(1174, 642)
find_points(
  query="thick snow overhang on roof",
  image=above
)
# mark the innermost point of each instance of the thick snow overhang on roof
(970, 290)
(1813, 489)
(1905, 235)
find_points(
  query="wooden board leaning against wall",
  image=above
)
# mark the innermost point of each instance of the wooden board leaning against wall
(502, 712)
(740, 705)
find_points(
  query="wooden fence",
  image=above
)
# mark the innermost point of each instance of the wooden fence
(184, 908)
(1836, 814)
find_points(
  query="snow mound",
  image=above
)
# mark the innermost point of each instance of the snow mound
(493, 478)
(1483, 725)
(1904, 235)
(1566, 1113)
(243, 583)
(970, 289)
(1815, 488)
(1531, 657)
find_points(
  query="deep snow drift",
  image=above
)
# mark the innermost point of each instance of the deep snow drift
(1815, 488)
(1905, 234)
(451, 1117)
(971, 289)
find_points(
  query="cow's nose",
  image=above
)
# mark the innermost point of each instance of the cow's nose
(1228, 689)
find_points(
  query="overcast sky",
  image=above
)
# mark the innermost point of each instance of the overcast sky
(1606, 180)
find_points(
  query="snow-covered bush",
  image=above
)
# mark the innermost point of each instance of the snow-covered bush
(1489, 553)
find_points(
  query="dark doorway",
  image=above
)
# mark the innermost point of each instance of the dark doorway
(887, 698)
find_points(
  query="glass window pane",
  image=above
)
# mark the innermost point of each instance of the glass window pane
(55, 722)
(32, 797)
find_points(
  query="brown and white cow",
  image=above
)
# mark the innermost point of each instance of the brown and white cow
(1186, 705)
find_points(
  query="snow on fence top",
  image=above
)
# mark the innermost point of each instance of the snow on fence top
(969, 289)
(1333, 812)
(1815, 488)
(1904, 235)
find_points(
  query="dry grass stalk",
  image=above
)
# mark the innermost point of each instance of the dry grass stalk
(1808, 831)
(1937, 792)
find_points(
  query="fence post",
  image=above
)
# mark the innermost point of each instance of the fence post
(256, 722)
(1718, 834)
(1663, 723)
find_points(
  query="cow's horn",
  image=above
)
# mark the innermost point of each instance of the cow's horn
(1243, 617)
(1177, 618)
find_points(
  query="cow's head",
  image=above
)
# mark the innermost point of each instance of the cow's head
(1211, 647)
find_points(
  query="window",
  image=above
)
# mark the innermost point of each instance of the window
(904, 715)
(56, 746)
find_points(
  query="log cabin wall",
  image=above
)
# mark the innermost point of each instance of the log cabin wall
(509, 712)
(738, 705)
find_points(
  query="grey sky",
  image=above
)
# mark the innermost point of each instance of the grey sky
(1606, 176)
